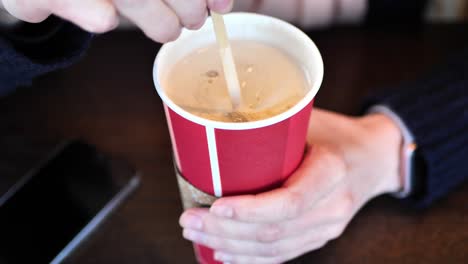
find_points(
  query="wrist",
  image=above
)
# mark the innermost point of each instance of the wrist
(385, 139)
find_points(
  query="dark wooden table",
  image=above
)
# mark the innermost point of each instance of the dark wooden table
(108, 99)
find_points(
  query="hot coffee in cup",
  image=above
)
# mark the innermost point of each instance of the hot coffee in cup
(271, 82)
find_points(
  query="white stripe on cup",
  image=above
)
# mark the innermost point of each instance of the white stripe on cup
(173, 140)
(214, 164)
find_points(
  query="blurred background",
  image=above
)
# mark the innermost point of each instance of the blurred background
(439, 11)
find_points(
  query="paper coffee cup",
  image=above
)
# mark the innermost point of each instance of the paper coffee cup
(224, 159)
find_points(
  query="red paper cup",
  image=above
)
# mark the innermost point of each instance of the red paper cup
(225, 159)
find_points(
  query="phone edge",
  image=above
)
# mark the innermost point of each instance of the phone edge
(98, 219)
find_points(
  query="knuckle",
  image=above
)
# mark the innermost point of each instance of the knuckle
(269, 233)
(293, 204)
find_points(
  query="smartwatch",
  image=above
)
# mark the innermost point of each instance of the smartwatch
(409, 164)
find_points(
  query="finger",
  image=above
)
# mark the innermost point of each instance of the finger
(254, 248)
(192, 14)
(275, 206)
(233, 258)
(220, 6)
(203, 221)
(27, 11)
(154, 17)
(319, 174)
(338, 209)
(96, 16)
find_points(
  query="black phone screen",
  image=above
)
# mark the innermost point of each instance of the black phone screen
(56, 205)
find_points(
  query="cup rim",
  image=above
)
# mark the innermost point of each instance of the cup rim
(308, 98)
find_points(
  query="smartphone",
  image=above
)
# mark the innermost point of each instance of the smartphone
(52, 209)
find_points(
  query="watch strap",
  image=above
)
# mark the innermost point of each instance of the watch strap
(407, 150)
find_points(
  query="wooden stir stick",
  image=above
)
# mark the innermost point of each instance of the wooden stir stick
(229, 67)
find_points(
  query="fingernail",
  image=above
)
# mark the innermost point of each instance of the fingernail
(220, 256)
(191, 221)
(222, 211)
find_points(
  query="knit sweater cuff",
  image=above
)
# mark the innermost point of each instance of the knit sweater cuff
(435, 110)
(31, 50)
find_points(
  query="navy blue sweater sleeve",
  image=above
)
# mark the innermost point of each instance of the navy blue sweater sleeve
(435, 109)
(34, 49)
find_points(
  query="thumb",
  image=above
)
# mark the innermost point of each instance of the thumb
(220, 6)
